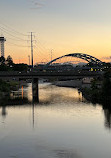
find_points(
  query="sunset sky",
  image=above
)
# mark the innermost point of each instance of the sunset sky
(63, 26)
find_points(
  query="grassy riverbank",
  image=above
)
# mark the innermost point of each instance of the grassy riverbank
(7, 87)
(4, 88)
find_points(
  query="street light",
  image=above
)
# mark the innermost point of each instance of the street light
(51, 55)
(29, 59)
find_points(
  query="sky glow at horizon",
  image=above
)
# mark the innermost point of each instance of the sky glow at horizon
(66, 26)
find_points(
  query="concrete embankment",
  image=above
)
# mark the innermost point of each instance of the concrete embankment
(69, 83)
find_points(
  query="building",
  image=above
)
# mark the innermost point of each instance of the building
(2, 40)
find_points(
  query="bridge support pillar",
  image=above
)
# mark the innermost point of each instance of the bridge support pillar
(35, 90)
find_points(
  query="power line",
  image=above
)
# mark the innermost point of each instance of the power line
(41, 44)
(40, 54)
(13, 44)
(18, 38)
(38, 47)
(44, 57)
(13, 30)
(41, 48)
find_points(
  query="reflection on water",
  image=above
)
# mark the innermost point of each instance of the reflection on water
(62, 125)
(4, 113)
(107, 114)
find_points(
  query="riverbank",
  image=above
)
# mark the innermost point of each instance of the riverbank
(69, 83)
(4, 88)
(93, 92)
(7, 87)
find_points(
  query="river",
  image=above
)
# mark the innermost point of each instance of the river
(62, 125)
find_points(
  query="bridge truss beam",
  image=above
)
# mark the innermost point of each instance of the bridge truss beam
(86, 57)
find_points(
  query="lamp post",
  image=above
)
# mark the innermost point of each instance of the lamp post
(51, 55)
(29, 59)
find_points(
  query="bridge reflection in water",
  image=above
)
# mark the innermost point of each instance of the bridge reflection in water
(35, 90)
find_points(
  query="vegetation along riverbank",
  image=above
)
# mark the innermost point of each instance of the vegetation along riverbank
(97, 94)
(7, 87)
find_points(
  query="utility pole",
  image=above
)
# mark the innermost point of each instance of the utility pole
(31, 40)
(29, 59)
(32, 49)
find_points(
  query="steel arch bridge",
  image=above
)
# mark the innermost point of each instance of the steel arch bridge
(88, 58)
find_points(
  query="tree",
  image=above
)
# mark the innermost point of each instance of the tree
(2, 60)
(9, 60)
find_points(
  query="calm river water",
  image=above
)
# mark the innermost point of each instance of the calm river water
(61, 125)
